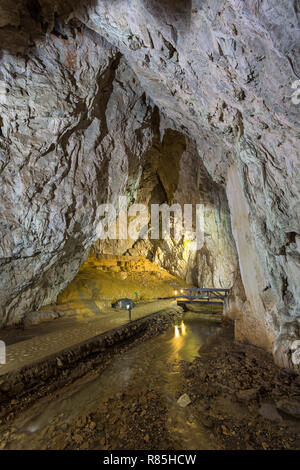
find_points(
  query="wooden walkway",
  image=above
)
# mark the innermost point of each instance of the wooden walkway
(207, 296)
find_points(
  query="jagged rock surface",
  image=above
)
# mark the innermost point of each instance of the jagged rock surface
(69, 123)
(174, 173)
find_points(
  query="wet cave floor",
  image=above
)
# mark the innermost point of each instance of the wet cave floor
(239, 399)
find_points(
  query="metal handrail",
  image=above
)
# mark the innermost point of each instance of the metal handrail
(197, 294)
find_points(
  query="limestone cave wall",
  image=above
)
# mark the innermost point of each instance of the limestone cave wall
(73, 130)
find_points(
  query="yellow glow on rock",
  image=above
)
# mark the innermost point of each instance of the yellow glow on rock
(186, 248)
(186, 243)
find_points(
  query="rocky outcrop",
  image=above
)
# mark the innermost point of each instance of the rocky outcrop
(174, 173)
(72, 116)
(75, 124)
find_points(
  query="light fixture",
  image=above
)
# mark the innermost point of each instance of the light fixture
(175, 292)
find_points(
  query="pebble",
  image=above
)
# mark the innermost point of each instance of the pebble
(58, 362)
(247, 395)
(77, 438)
(291, 407)
(269, 411)
(184, 400)
(84, 446)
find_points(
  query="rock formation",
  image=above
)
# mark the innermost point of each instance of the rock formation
(69, 123)
(174, 173)
(86, 88)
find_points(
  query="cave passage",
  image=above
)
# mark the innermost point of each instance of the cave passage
(150, 225)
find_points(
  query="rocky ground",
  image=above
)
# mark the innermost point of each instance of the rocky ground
(241, 398)
(126, 421)
(238, 396)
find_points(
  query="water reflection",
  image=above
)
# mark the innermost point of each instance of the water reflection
(179, 330)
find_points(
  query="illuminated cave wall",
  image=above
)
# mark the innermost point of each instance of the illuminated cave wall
(173, 173)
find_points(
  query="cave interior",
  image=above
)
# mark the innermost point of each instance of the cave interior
(107, 107)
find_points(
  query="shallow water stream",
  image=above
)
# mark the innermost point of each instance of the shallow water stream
(155, 363)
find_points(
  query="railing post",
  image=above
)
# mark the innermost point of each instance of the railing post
(2, 352)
